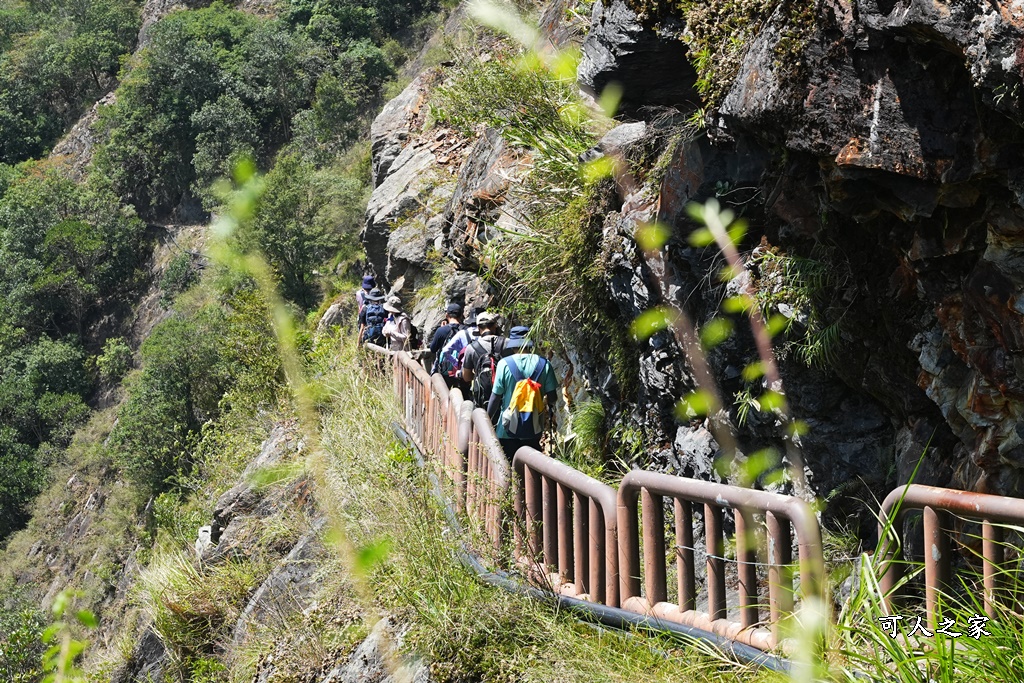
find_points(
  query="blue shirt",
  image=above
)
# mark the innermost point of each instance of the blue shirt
(505, 383)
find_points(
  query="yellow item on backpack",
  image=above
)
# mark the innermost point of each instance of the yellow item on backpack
(522, 418)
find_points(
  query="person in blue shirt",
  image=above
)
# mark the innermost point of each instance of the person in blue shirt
(528, 364)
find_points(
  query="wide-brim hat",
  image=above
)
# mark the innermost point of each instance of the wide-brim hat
(375, 295)
(518, 332)
(518, 344)
(393, 305)
(369, 282)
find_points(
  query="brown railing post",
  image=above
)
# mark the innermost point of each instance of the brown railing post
(684, 561)
(936, 505)
(599, 551)
(654, 547)
(549, 528)
(534, 508)
(581, 543)
(629, 545)
(746, 557)
(715, 497)
(715, 547)
(937, 560)
(578, 529)
(780, 578)
(993, 555)
(566, 532)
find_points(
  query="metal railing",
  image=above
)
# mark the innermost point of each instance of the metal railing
(584, 540)
(937, 506)
(487, 479)
(779, 513)
(570, 526)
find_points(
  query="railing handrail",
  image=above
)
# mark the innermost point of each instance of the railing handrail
(492, 447)
(715, 497)
(936, 504)
(594, 563)
(978, 506)
(451, 418)
(564, 474)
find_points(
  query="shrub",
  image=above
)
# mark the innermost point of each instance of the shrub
(115, 361)
(181, 274)
(302, 218)
(58, 58)
(21, 643)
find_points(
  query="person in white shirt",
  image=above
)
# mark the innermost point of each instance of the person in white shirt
(398, 328)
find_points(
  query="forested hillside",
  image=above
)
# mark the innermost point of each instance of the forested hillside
(210, 86)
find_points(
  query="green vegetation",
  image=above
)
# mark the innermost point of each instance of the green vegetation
(69, 252)
(57, 57)
(181, 274)
(21, 644)
(190, 365)
(469, 631)
(212, 86)
(304, 217)
(115, 361)
(809, 293)
(216, 85)
(549, 270)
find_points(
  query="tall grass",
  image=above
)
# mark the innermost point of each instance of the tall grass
(861, 648)
(466, 629)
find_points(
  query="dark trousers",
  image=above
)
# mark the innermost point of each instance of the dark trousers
(510, 446)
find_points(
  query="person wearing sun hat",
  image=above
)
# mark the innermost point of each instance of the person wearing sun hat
(482, 356)
(398, 328)
(372, 318)
(518, 340)
(368, 284)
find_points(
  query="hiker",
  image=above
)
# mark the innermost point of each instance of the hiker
(372, 318)
(398, 328)
(368, 284)
(524, 390)
(444, 334)
(482, 357)
(450, 364)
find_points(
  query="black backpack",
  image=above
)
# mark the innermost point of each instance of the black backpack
(483, 373)
(375, 317)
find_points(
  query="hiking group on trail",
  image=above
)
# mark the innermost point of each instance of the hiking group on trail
(383, 324)
(504, 375)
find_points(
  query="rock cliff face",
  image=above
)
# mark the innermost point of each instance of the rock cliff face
(883, 147)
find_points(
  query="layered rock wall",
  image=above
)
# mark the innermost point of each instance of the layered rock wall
(886, 150)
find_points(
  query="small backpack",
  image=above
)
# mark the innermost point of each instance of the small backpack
(443, 363)
(375, 318)
(522, 418)
(483, 373)
(451, 358)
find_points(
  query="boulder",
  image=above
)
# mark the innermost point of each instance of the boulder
(478, 198)
(146, 662)
(289, 589)
(393, 126)
(376, 660)
(402, 193)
